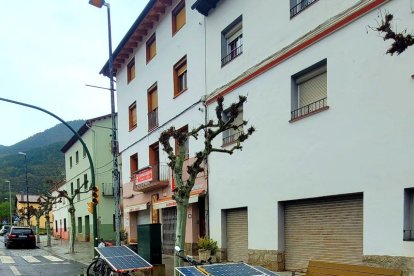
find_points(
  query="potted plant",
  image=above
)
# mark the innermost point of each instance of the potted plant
(206, 248)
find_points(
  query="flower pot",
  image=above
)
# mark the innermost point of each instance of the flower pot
(204, 254)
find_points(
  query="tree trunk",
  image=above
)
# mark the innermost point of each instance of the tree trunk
(73, 230)
(180, 230)
(37, 229)
(48, 234)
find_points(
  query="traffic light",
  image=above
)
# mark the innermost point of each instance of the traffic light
(90, 207)
(95, 195)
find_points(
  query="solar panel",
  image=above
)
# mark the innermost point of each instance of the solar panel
(266, 271)
(189, 271)
(232, 269)
(121, 258)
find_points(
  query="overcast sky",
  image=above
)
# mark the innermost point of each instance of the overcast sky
(49, 50)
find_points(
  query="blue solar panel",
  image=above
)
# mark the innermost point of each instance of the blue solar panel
(232, 269)
(121, 258)
(189, 271)
(266, 271)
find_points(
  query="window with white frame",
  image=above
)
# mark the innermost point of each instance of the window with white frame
(408, 215)
(231, 135)
(232, 41)
(309, 90)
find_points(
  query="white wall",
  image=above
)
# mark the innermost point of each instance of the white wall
(361, 144)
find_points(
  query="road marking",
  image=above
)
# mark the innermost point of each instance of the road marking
(30, 259)
(7, 260)
(53, 258)
(14, 269)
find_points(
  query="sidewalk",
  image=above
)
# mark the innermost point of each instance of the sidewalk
(84, 252)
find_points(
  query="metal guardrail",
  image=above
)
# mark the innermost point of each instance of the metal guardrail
(300, 7)
(230, 138)
(232, 55)
(304, 110)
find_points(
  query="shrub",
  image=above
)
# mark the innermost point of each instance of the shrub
(207, 244)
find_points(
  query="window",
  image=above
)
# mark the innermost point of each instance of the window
(180, 76)
(85, 181)
(84, 152)
(133, 163)
(64, 225)
(70, 162)
(71, 188)
(231, 135)
(232, 41)
(152, 107)
(132, 110)
(78, 188)
(186, 145)
(131, 70)
(77, 157)
(178, 17)
(309, 91)
(79, 224)
(409, 214)
(296, 6)
(56, 226)
(151, 48)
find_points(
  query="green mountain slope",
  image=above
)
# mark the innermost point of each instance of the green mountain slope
(45, 161)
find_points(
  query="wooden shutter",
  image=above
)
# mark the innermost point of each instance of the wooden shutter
(328, 229)
(237, 235)
(180, 19)
(154, 99)
(152, 49)
(182, 68)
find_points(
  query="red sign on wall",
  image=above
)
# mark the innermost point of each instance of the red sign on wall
(144, 176)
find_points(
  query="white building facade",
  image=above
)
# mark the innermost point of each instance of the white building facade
(328, 174)
(160, 73)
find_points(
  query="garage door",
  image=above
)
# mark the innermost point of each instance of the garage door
(237, 235)
(328, 229)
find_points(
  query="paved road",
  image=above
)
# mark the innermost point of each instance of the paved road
(36, 262)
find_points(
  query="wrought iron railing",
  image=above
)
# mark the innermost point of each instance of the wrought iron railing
(153, 119)
(232, 55)
(304, 110)
(107, 189)
(160, 172)
(294, 10)
(230, 137)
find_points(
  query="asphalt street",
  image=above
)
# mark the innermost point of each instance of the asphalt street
(20, 261)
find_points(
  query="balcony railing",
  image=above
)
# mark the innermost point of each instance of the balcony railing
(157, 177)
(294, 10)
(153, 119)
(307, 109)
(107, 189)
(232, 55)
(230, 137)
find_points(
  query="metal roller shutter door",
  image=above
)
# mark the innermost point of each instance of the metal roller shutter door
(237, 235)
(323, 229)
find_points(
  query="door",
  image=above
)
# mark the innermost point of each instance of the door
(87, 228)
(169, 219)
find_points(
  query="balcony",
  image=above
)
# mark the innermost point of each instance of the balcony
(153, 119)
(232, 55)
(107, 189)
(309, 109)
(151, 178)
(299, 7)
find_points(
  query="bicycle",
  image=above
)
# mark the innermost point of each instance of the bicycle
(98, 266)
(189, 259)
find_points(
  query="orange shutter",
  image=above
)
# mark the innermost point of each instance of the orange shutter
(152, 50)
(182, 69)
(154, 99)
(180, 19)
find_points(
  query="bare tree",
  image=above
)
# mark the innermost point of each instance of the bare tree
(401, 40)
(37, 213)
(71, 199)
(46, 204)
(210, 131)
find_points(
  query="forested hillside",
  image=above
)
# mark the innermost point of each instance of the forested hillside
(45, 161)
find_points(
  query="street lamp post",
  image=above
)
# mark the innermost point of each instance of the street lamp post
(27, 187)
(11, 221)
(115, 173)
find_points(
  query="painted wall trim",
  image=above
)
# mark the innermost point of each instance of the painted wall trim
(329, 27)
